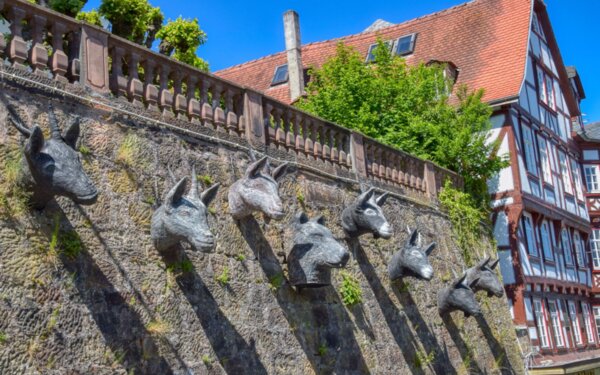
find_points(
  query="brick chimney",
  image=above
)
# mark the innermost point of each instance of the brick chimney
(291, 26)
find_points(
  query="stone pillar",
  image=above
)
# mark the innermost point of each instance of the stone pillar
(291, 27)
(94, 59)
(253, 115)
(357, 153)
(429, 180)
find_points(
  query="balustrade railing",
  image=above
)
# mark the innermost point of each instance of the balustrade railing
(51, 45)
(289, 128)
(40, 40)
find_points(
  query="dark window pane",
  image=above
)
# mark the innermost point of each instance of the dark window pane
(405, 45)
(281, 75)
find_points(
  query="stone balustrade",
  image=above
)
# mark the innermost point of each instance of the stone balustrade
(49, 44)
(289, 128)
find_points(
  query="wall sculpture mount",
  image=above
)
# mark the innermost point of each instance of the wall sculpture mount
(184, 217)
(365, 216)
(459, 296)
(315, 252)
(52, 167)
(412, 260)
(488, 280)
(258, 190)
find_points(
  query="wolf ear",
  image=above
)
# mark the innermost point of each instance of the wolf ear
(35, 143)
(430, 248)
(460, 282)
(494, 264)
(473, 283)
(176, 192)
(319, 220)
(484, 263)
(364, 197)
(255, 168)
(301, 218)
(72, 133)
(280, 171)
(382, 198)
(209, 194)
(412, 240)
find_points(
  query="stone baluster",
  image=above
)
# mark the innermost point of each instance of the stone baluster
(277, 128)
(395, 179)
(290, 138)
(283, 137)
(17, 50)
(343, 155)
(179, 100)
(150, 89)
(135, 88)
(334, 142)
(267, 117)
(74, 39)
(165, 99)
(60, 62)
(118, 81)
(309, 136)
(299, 140)
(231, 117)
(193, 105)
(38, 54)
(318, 138)
(207, 110)
(219, 121)
(388, 165)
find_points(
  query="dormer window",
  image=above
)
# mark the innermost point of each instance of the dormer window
(281, 75)
(371, 54)
(405, 45)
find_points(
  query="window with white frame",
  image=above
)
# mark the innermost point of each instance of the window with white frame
(577, 179)
(540, 321)
(564, 171)
(575, 323)
(566, 245)
(529, 150)
(595, 247)
(529, 235)
(587, 321)
(579, 251)
(546, 244)
(556, 325)
(545, 160)
(597, 319)
(591, 178)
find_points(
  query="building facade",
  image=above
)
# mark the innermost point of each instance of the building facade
(540, 216)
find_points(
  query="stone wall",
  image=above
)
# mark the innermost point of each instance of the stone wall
(83, 291)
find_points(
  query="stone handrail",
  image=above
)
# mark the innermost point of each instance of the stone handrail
(287, 127)
(55, 46)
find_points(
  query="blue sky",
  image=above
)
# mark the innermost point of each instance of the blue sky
(242, 30)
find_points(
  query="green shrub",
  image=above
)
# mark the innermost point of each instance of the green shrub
(3, 337)
(350, 289)
(240, 257)
(276, 281)
(223, 278)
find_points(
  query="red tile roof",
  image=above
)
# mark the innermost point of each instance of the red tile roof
(486, 39)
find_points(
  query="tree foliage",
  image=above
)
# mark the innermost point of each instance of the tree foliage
(180, 39)
(408, 107)
(135, 20)
(68, 7)
(92, 17)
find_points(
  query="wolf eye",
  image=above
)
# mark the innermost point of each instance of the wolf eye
(370, 212)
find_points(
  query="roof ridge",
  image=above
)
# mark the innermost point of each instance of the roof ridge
(362, 33)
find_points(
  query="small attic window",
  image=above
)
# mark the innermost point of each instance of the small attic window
(405, 45)
(281, 75)
(371, 55)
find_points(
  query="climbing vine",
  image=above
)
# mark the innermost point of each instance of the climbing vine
(466, 218)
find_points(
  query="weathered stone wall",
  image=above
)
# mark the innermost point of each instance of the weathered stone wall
(83, 291)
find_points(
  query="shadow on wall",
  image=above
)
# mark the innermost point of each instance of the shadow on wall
(496, 347)
(234, 353)
(318, 317)
(465, 349)
(122, 328)
(396, 320)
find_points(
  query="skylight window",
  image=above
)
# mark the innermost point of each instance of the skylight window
(281, 75)
(371, 55)
(405, 45)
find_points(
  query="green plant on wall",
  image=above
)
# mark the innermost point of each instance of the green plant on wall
(14, 198)
(350, 289)
(223, 278)
(423, 359)
(466, 219)
(67, 243)
(129, 151)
